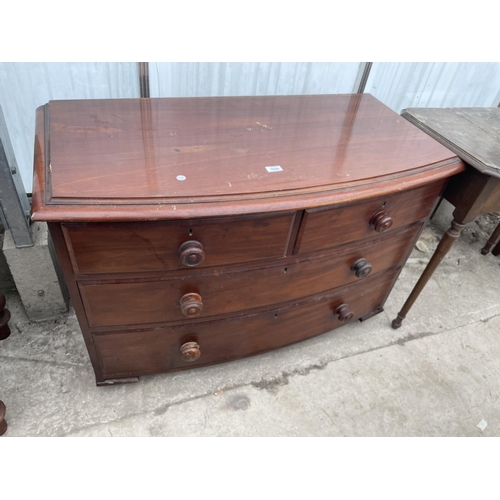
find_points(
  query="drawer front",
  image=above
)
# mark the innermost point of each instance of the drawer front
(163, 300)
(124, 354)
(326, 228)
(154, 246)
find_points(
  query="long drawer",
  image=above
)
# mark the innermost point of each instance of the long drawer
(148, 351)
(328, 227)
(160, 300)
(125, 247)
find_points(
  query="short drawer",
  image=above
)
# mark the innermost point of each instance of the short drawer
(154, 246)
(160, 300)
(135, 353)
(329, 227)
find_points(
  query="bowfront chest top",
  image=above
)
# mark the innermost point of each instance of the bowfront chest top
(194, 231)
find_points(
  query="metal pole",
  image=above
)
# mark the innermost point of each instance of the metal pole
(362, 78)
(144, 79)
(13, 200)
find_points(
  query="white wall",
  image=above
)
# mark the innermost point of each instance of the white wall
(218, 79)
(25, 86)
(438, 85)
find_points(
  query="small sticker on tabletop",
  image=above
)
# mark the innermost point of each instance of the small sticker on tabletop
(483, 424)
(275, 168)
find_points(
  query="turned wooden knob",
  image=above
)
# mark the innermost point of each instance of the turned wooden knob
(362, 268)
(381, 221)
(4, 319)
(190, 351)
(191, 253)
(344, 313)
(3, 422)
(191, 305)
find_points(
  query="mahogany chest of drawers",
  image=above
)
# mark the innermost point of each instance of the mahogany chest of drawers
(194, 231)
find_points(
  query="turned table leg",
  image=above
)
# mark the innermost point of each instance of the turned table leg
(4, 319)
(3, 423)
(443, 248)
(491, 242)
(4, 333)
(496, 250)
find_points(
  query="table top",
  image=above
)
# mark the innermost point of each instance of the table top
(472, 133)
(189, 155)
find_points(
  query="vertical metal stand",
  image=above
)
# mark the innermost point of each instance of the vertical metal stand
(362, 78)
(144, 79)
(14, 203)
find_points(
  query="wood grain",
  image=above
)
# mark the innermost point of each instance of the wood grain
(471, 133)
(158, 300)
(154, 246)
(181, 249)
(324, 228)
(121, 159)
(129, 353)
(64, 260)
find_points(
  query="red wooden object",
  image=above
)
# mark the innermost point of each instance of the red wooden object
(4, 319)
(3, 422)
(195, 231)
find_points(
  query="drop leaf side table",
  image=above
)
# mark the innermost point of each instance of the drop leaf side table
(474, 135)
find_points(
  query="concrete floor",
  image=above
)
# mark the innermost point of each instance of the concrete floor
(438, 375)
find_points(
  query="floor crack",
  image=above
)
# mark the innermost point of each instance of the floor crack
(280, 379)
(2, 356)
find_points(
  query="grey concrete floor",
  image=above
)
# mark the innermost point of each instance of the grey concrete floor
(438, 375)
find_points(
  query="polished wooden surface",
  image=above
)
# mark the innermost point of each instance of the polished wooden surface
(231, 259)
(352, 222)
(143, 300)
(152, 246)
(473, 134)
(63, 257)
(128, 353)
(122, 159)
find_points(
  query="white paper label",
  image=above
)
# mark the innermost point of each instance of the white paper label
(276, 168)
(483, 424)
